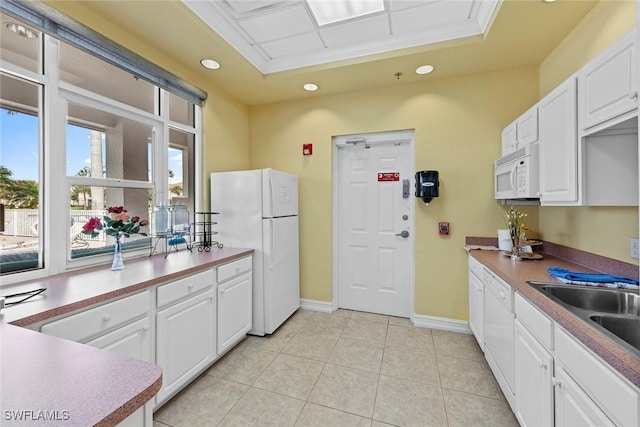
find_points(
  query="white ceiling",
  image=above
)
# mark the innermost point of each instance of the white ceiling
(281, 35)
(522, 34)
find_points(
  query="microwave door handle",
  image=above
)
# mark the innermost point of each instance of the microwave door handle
(512, 177)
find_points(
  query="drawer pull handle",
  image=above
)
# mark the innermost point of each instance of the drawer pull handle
(633, 95)
(542, 365)
(190, 287)
(106, 318)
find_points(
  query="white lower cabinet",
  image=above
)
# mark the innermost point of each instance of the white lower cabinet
(234, 311)
(476, 301)
(548, 377)
(185, 341)
(133, 340)
(605, 389)
(533, 380)
(115, 326)
(197, 318)
(573, 407)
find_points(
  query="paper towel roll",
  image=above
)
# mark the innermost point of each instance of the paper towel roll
(504, 240)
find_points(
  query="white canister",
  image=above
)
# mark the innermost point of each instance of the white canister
(504, 240)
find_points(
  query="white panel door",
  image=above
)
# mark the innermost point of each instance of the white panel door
(374, 260)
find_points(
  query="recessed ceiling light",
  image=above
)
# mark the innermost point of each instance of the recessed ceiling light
(21, 30)
(210, 64)
(425, 69)
(311, 87)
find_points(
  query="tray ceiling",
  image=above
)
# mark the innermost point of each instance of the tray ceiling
(284, 35)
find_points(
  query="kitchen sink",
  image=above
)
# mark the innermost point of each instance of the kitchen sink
(626, 328)
(616, 301)
(613, 312)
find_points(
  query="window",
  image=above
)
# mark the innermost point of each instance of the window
(181, 168)
(104, 152)
(20, 191)
(106, 142)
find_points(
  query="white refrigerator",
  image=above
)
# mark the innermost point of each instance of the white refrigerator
(258, 209)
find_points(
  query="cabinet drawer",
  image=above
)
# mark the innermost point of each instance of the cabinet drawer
(184, 287)
(475, 266)
(499, 289)
(535, 321)
(233, 269)
(611, 393)
(79, 327)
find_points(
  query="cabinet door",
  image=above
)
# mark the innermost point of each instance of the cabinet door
(608, 84)
(234, 311)
(574, 407)
(133, 340)
(527, 127)
(509, 139)
(533, 376)
(476, 308)
(185, 341)
(559, 146)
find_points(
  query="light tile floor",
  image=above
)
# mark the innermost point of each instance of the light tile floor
(346, 368)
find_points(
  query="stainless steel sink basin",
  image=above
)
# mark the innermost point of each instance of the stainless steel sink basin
(617, 301)
(626, 328)
(613, 312)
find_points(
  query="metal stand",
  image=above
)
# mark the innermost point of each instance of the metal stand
(171, 225)
(203, 232)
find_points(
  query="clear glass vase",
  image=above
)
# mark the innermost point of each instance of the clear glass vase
(117, 263)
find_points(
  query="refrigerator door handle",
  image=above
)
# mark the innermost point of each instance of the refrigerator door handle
(273, 245)
(272, 197)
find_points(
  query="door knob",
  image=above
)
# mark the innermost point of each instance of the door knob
(403, 233)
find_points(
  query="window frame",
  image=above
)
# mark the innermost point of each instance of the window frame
(54, 206)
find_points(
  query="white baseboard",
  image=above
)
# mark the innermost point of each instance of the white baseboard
(441, 323)
(309, 304)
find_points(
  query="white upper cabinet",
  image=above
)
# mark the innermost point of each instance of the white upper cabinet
(559, 146)
(521, 132)
(587, 131)
(608, 85)
(527, 125)
(509, 139)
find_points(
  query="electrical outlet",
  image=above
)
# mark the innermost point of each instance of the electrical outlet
(635, 248)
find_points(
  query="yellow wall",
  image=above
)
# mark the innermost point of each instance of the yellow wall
(600, 230)
(458, 123)
(225, 120)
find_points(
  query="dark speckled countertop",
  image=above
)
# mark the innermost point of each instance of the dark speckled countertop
(74, 384)
(517, 273)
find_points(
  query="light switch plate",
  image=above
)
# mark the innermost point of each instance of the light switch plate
(635, 248)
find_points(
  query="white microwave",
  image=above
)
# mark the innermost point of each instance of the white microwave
(517, 175)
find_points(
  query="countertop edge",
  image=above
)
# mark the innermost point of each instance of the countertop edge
(134, 404)
(99, 297)
(620, 360)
